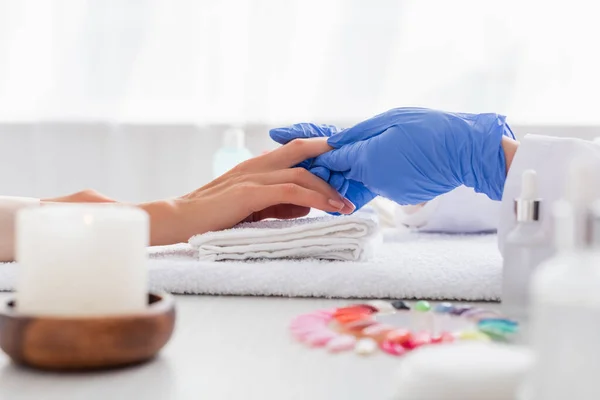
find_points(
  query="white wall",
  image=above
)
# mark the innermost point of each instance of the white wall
(133, 162)
(212, 61)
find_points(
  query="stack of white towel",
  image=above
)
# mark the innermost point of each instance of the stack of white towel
(345, 238)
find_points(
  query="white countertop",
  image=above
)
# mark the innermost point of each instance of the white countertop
(222, 348)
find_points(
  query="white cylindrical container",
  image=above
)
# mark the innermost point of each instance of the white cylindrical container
(82, 260)
(462, 371)
(565, 324)
(526, 246)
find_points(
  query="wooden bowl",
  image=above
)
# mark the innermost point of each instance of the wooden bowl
(78, 344)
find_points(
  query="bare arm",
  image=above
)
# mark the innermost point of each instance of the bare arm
(260, 188)
(510, 147)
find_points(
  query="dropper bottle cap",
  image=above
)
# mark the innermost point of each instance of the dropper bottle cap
(564, 225)
(581, 192)
(527, 206)
(234, 138)
(581, 184)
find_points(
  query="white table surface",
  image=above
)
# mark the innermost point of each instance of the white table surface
(223, 348)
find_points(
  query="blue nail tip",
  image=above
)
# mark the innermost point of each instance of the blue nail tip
(460, 310)
(443, 308)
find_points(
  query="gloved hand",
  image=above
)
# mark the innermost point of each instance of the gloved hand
(410, 155)
(354, 191)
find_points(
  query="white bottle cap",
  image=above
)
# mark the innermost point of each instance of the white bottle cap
(527, 206)
(581, 187)
(234, 138)
(529, 185)
(581, 190)
(564, 225)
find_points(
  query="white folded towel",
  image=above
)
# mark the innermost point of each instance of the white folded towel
(407, 265)
(345, 238)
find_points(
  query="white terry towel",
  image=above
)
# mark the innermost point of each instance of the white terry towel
(345, 238)
(407, 265)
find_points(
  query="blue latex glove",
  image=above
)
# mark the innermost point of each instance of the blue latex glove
(354, 191)
(411, 155)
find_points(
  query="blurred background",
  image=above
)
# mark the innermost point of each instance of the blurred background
(132, 97)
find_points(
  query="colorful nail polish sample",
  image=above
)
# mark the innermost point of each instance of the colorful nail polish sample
(400, 305)
(303, 333)
(377, 332)
(460, 310)
(444, 337)
(418, 340)
(320, 338)
(443, 308)
(313, 326)
(357, 309)
(366, 306)
(351, 318)
(477, 314)
(399, 336)
(341, 343)
(497, 326)
(474, 335)
(365, 346)
(357, 327)
(422, 305)
(382, 306)
(392, 348)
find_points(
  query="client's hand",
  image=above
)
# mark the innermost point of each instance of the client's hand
(263, 187)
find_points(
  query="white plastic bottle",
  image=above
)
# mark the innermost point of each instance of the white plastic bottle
(565, 327)
(526, 246)
(565, 300)
(231, 153)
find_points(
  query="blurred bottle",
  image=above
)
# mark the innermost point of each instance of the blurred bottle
(525, 248)
(231, 153)
(565, 294)
(566, 320)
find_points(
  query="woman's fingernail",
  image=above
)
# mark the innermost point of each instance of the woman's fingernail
(349, 206)
(337, 204)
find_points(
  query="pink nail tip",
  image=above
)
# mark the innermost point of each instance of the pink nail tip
(319, 339)
(303, 335)
(392, 348)
(375, 329)
(418, 340)
(341, 343)
(444, 337)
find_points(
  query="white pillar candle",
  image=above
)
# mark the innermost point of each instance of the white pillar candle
(82, 260)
